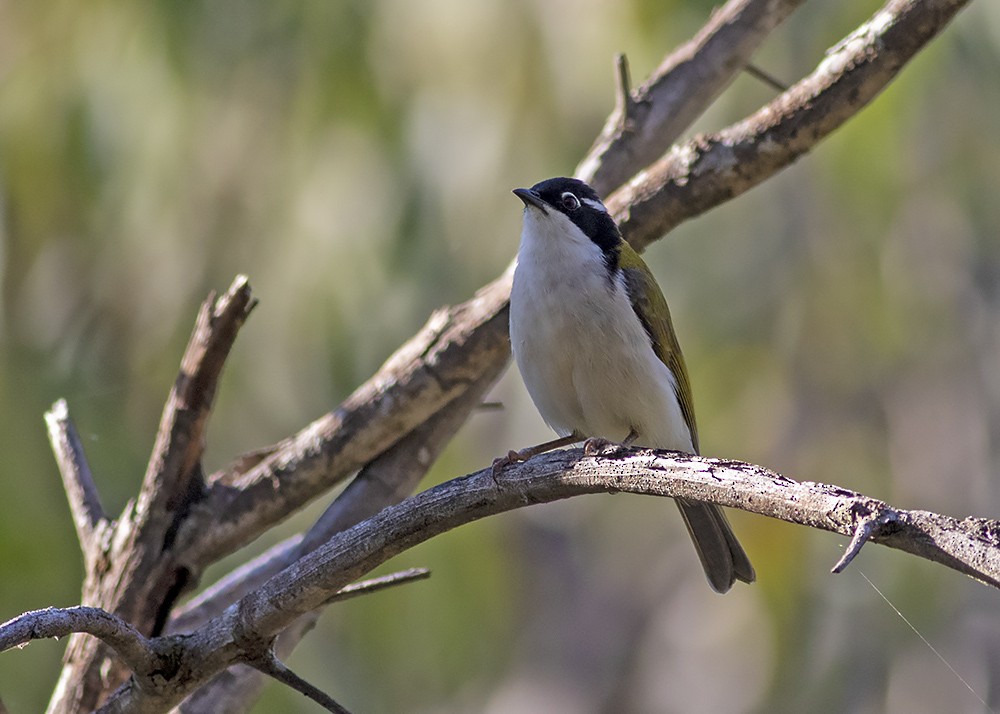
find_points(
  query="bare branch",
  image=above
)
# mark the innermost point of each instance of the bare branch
(214, 599)
(689, 79)
(765, 77)
(457, 348)
(203, 610)
(78, 481)
(708, 170)
(387, 480)
(970, 546)
(133, 575)
(133, 648)
(273, 667)
(171, 475)
(374, 585)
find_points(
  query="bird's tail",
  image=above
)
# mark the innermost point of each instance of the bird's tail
(721, 555)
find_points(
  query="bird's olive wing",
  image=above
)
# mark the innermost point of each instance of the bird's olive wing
(651, 308)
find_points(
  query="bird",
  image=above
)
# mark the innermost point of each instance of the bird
(592, 338)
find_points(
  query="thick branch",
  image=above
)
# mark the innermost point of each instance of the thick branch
(970, 546)
(456, 349)
(385, 481)
(180, 440)
(708, 170)
(689, 79)
(133, 574)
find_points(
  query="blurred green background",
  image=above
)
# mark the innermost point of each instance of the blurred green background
(355, 159)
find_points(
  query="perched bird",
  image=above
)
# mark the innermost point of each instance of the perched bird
(593, 340)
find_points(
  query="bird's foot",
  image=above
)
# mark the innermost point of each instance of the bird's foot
(502, 462)
(599, 446)
(516, 457)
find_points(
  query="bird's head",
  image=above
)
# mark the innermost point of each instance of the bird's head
(568, 209)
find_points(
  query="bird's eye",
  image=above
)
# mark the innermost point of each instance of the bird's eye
(569, 201)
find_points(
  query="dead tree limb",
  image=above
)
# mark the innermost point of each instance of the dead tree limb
(647, 121)
(698, 175)
(385, 481)
(447, 358)
(130, 573)
(160, 545)
(184, 662)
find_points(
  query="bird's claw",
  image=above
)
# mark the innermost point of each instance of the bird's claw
(599, 446)
(502, 462)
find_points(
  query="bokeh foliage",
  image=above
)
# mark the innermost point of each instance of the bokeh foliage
(841, 324)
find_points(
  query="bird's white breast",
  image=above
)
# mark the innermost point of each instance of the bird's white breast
(583, 353)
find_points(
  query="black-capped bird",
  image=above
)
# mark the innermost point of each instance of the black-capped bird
(593, 340)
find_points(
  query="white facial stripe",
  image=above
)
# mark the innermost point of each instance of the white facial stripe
(596, 205)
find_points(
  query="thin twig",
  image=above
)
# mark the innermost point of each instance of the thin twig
(624, 102)
(78, 481)
(276, 669)
(765, 77)
(374, 585)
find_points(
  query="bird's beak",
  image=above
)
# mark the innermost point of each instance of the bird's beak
(531, 198)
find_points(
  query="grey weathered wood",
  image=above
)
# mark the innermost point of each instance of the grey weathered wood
(184, 662)
(646, 121)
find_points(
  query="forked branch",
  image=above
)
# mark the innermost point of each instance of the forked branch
(182, 522)
(698, 175)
